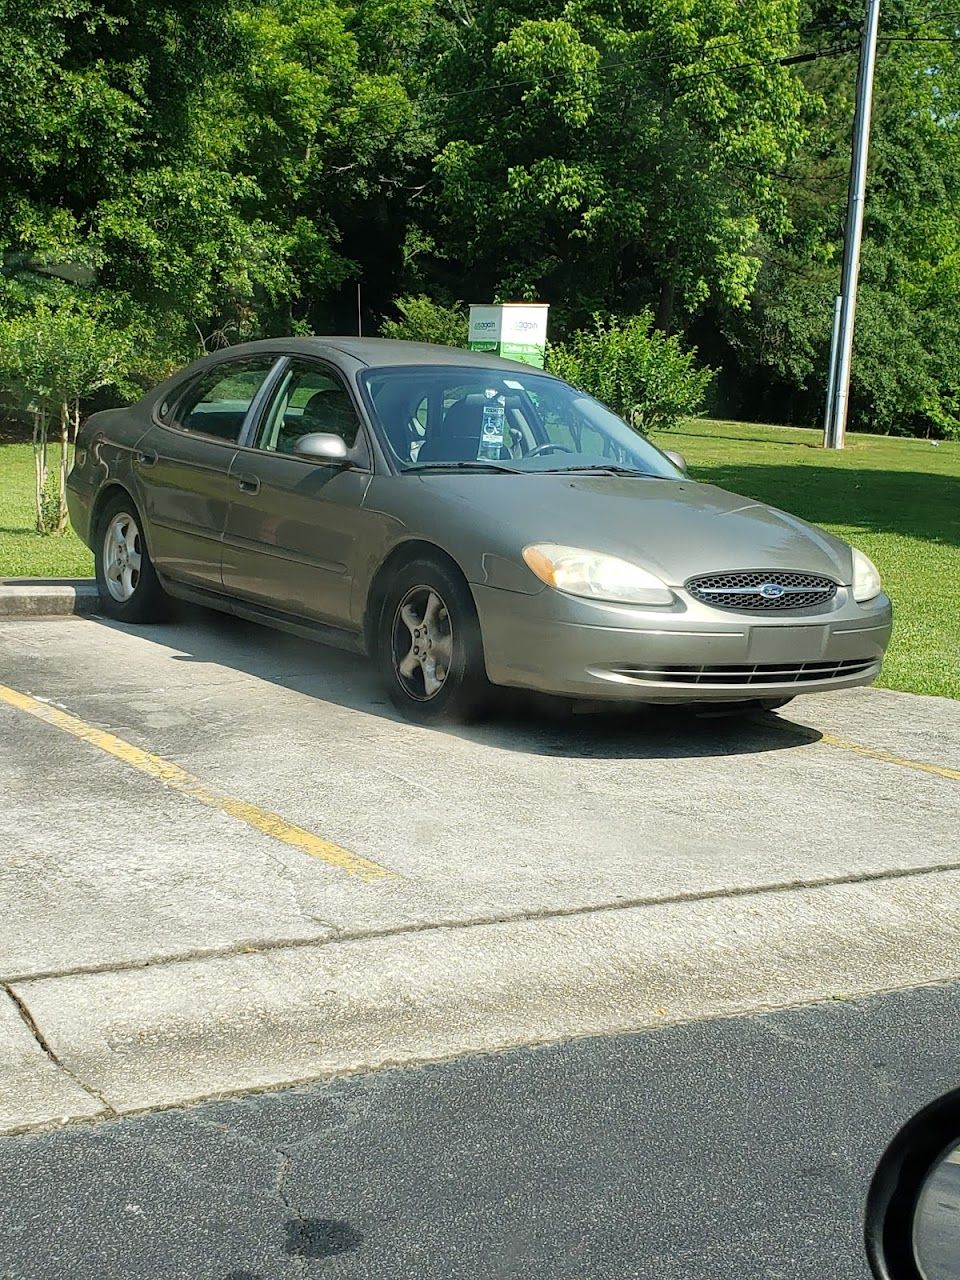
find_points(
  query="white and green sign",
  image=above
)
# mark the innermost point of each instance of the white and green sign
(514, 330)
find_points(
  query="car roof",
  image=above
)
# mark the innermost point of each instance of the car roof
(379, 352)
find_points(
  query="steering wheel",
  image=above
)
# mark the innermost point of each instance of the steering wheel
(549, 447)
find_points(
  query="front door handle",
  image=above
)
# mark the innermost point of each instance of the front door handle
(147, 457)
(249, 484)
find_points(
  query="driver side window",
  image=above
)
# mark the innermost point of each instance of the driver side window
(309, 399)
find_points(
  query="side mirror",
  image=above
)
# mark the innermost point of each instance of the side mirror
(913, 1209)
(677, 459)
(321, 446)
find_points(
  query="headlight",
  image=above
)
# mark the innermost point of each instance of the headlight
(866, 580)
(596, 576)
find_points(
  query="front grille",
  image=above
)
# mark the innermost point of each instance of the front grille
(760, 589)
(757, 674)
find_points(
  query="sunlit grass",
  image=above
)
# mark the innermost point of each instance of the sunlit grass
(896, 499)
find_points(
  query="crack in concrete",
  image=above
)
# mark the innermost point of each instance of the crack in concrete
(336, 934)
(28, 1021)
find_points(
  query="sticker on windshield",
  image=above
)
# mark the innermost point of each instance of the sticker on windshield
(491, 431)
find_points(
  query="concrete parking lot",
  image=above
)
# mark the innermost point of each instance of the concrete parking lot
(227, 863)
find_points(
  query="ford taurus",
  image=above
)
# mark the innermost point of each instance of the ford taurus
(466, 521)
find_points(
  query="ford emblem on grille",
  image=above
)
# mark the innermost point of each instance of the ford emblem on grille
(773, 590)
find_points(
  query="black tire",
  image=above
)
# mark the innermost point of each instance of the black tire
(147, 600)
(464, 690)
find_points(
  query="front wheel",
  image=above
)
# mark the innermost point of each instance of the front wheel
(429, 648)
(127, 582)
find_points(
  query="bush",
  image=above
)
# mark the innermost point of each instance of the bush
(51, 358)
(423, 320)
(645, 376)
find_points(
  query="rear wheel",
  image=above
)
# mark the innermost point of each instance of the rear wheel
(429, 648)
(126, 579)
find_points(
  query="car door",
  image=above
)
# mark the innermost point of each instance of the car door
(294, 523)
(183, 464)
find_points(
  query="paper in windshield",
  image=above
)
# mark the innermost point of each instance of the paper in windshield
(491, 431)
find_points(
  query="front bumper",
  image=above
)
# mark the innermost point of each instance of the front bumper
(688, 653)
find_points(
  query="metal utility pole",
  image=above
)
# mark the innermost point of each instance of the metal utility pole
(836, 416)
(832, 369)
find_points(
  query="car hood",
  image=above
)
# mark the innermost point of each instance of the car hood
(676, 528)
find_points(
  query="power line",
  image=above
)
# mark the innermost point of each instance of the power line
(610, 64)
(789, 60)
(695, 71)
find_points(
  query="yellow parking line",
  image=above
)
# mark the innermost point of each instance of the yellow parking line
(888, 758)
(177, 779)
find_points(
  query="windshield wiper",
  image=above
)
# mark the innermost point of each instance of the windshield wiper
(479, 464)
(611, 468)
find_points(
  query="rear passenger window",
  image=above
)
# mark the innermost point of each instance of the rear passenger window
(218, 402)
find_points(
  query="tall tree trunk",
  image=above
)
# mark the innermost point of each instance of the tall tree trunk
(64, 456)
(668, 292)
(40, 466)
(665, 306)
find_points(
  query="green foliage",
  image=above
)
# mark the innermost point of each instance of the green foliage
(215, 171)
(906, 359)
(54, 356)
(645, 376)
(422, 320)
(611, 157)
(51, 359)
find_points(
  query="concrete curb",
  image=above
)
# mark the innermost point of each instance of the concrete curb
(179, 1032)
(36, 1090)
(47, 597)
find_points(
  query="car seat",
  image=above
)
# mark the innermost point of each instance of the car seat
(458, 439)
(328, 411)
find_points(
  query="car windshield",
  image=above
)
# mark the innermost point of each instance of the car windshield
(491, 421)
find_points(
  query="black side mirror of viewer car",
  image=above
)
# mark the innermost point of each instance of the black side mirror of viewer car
(321, 446)
(677, 459)
(913, 1209)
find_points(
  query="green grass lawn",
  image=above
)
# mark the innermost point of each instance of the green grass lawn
(899, 500)
(23, 552)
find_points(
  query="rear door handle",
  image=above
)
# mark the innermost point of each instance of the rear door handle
(147, 458)
(249, 484)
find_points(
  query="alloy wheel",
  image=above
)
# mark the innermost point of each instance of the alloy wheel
(422, 643)
(122, 554)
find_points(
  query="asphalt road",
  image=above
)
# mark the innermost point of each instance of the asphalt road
(737, 1148)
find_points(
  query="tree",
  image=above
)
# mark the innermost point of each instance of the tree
(610, 157)
(645, 376)
(110, 157)
(323, 126)
(906, 356)
(422, 320)
(52, 358)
